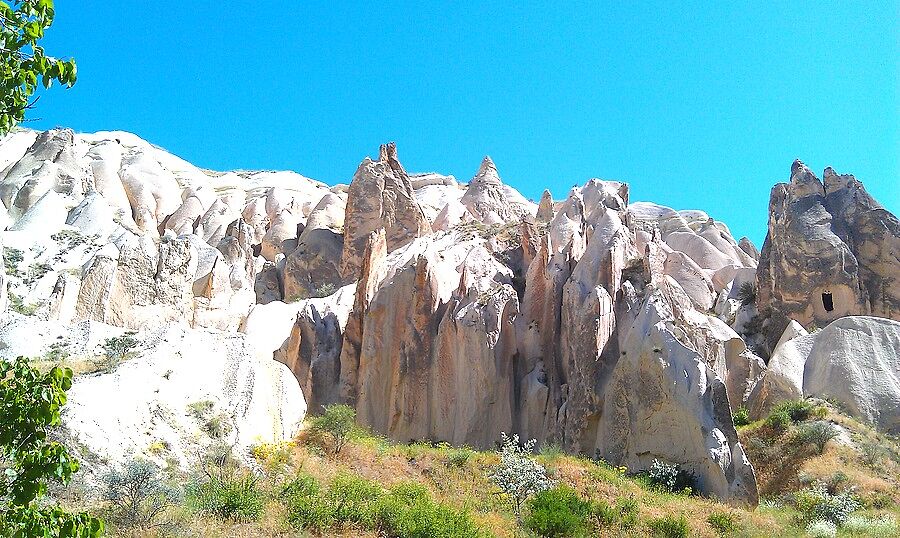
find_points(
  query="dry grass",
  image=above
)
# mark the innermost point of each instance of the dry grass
(462, 483)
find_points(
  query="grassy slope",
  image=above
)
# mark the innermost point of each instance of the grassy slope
(459, 477)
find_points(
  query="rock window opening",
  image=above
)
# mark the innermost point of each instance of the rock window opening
(828, 301)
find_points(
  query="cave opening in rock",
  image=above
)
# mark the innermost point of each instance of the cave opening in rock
(828, 301)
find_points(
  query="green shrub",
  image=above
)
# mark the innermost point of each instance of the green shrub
(408, 511)
(669, 527)
(817, 504)
(741, 417)
(747, 293)
(228, 495)
(623, 514)
(306, 508)
(12, 257)
(670, 477)
(816, 433)
(558, 512)
(458, 457)
(336, 423)
(138, 495)
(797, 410)
(119, 348)
(354, 500)
(779, 421)
(551, 451)
(627, 508)
(723, 523)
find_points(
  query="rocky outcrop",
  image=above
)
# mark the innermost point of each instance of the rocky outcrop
(856, 362)
(312, 269)
(663, 401)
(380, 196)
(159, 402)
(450, 312)
(831, 251)
(783, 379)
(485, 198)
(853, 361)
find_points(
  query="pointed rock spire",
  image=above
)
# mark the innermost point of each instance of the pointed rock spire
(545, 207)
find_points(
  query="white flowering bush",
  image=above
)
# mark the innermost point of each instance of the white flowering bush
(518, 475)
(821, 529)
(883, 526)
(663, 474)
(817, 504)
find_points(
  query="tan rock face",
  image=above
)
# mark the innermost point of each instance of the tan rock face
(380, 196)
(663, 401)
(453, 312)
(830, 252)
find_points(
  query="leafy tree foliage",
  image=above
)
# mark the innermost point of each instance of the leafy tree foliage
(518, 476)
(23, 61)
(30, 404)
(337, 422)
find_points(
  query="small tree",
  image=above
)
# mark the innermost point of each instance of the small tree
(139, 495)
(22, 60)
(336, 422)
(817, 433)
(518, 475)
(30, 404)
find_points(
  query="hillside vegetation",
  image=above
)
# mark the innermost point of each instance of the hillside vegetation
(337, 479)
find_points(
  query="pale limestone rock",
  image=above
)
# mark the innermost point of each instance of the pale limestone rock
(749, 248)
(856, 361)
(93, 216)
(154, 194)
(313, 267)
(783, 378)
(145, 400)
(664, 402)
(485, 198)
(451, 215)
(49, 164)
(64, 298)
(281, 237)
(830, 252)
(313, 348)
(45, 216)
(372, 272)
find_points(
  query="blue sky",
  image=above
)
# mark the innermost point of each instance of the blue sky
(695, 106)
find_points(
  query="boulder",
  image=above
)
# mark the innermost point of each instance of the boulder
(856, 361)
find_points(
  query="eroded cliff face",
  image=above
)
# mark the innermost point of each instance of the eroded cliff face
(447, 311)
(831, 251)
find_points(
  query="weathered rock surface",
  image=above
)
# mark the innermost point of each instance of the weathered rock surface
(856, 361)
(439, 310)
(380, 196)
(158, 404)
(831, 251)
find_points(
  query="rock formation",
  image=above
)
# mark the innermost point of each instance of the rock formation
(831, 251)
(439, 310)
(380, 196)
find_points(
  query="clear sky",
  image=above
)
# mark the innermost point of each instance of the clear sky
(696, 106)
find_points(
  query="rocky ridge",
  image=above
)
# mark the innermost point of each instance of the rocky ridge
(446, 311)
